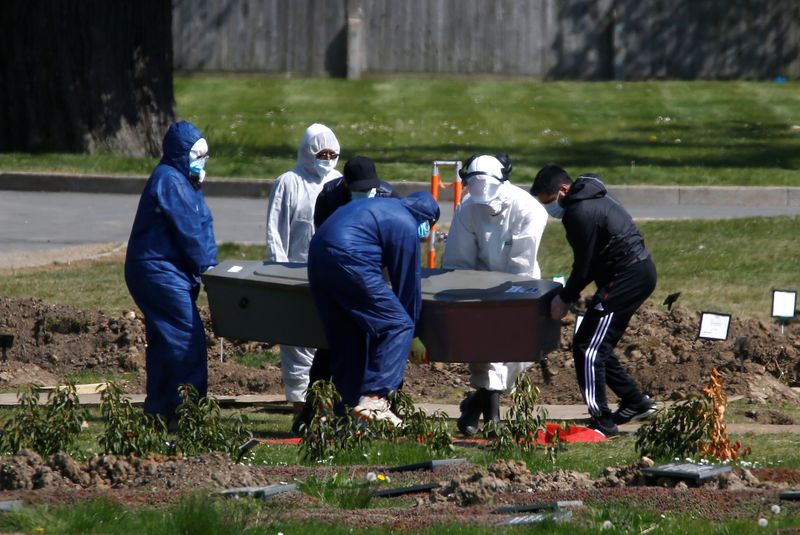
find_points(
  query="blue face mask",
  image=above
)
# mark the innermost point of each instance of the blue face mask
(355, 195)
(424, 229)
(197, 166)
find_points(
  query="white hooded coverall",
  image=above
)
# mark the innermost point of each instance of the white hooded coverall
(290, 226)
(501, 236)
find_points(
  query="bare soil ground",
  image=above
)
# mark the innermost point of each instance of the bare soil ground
(660, 349)
(468, 491)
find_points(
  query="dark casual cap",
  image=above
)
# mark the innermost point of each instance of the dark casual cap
(360, 174)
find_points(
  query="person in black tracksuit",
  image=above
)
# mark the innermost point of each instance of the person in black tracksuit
(609, 250)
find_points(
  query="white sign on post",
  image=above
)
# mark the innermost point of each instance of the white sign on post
(714, 326)
(784, 303)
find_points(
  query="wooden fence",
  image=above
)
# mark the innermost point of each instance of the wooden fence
(541, 39)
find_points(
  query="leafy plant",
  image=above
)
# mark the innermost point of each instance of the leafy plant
(128, 430)
(524, 420)
(338, 490)
(200, 425)
(429, 430)
(46, 429)
(328, 434)
(694, 426)
(677, 431)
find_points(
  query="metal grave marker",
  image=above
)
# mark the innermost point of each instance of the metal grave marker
(692, 471)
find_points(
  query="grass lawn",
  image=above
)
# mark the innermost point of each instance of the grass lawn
(726, 266)
(743, 133)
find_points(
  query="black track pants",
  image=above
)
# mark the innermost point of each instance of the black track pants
(605, 321)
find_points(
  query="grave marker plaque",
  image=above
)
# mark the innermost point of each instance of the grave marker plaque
(691, 471)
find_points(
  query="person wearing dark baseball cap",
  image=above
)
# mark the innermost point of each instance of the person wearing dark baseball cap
(360, 181)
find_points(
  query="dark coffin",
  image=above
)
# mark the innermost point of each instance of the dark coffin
(467, 316)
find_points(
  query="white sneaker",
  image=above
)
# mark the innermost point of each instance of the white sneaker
(369, 408)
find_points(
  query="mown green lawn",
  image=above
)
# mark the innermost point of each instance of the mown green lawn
(743, 133)
(727, 266)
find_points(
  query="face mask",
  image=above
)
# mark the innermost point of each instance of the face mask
(355, 195)
(324, 167)
(197, 168)
(483, 189)
(554, 209)
(424, 229)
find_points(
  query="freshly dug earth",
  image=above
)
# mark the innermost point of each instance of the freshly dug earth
(660, 349)
(466, 491)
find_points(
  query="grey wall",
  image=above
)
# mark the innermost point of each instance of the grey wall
(542, 39)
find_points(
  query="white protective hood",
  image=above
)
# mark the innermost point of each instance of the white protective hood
(317, 137)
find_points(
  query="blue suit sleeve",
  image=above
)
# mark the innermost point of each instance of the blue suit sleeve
(403, 265)
(190, 223)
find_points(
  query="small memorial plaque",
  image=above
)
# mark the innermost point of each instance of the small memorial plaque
(784, 303)
(536, 518)
(259, 492)
(790, 495)
(400, 491)
(532, 507)
(435, 464)
(714, 326)
(692, 471)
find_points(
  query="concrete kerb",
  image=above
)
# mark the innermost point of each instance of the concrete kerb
(756, 196)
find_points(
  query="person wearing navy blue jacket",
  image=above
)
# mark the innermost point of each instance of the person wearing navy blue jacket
(170, 246)
(370, 325)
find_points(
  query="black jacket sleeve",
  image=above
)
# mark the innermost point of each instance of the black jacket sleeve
(582, 235)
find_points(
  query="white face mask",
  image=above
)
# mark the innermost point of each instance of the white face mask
(483, 189)
(324, 167)
(554, 210)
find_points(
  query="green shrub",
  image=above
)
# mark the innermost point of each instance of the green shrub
(200, 426)
(128, 430)
(46, 429)
(678, 431)
(524, 420)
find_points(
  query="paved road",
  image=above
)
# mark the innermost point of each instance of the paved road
(41, 221)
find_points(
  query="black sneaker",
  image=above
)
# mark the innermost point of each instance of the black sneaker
(604, 425)
(639, 411)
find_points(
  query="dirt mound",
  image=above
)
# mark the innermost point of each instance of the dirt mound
(502, 477)
(28, 471)
(660, 348)
(662, 352)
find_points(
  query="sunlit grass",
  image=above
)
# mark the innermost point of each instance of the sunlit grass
(689, 133)
(726, 265)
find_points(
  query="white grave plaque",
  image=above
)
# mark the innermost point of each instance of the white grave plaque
(784, 303)
(714, 326)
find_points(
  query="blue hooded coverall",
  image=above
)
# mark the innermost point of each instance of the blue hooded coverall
(369, 325)
(171, 244)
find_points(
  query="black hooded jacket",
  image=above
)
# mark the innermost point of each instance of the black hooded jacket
(602, 234)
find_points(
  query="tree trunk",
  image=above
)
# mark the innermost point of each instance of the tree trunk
(85, 76)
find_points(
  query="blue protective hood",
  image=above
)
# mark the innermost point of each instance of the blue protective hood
(422, 206)
(177, 143)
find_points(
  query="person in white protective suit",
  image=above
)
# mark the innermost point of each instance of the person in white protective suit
(498, 227)
(290, 226)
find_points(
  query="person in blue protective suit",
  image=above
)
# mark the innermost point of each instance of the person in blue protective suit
(368, 324)
(171, 245)
(360, 181)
